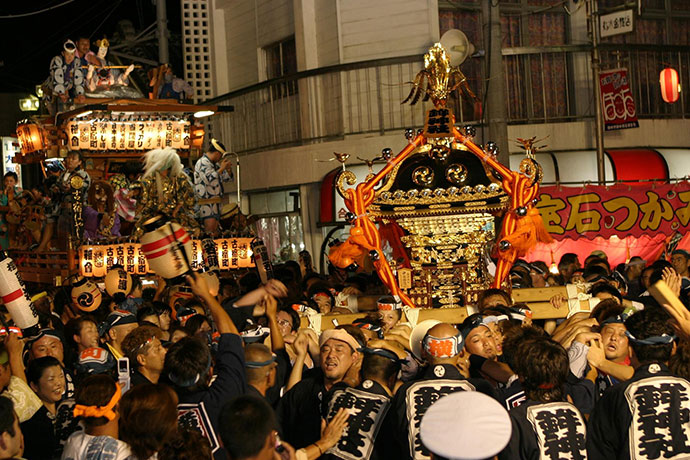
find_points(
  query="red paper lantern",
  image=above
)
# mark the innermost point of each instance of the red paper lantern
(670, 89)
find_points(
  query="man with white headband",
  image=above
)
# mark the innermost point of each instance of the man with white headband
(209, 176)
(646, 416)
(442, 348)
(66, 75)
(299, 410)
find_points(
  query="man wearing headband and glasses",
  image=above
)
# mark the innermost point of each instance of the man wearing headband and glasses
(66, 76)
(146, 354)
(646, 416)
(442, 349)
(208, 185)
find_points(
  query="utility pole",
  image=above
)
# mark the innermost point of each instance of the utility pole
(162, 32)
(592, 30)
(495, 97)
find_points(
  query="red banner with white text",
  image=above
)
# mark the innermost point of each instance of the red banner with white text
(617, 103)
(621, 210)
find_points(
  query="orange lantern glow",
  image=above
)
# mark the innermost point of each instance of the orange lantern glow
(197, 255)
(130, 257)
(86, 260)
(30, 137)
(99, 268)
(670, 88)
(196, 136)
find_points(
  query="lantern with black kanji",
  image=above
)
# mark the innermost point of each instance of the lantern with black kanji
(99, 260)
(670, 87)
(118, 281)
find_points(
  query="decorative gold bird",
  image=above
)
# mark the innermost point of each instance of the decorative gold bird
(438, 79)
(528, 145)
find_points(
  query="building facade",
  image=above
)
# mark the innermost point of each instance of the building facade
(308, 78)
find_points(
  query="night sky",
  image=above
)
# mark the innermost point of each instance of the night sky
(29, 43)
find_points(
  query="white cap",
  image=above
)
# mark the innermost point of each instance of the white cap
(418, 334)
(466, 425)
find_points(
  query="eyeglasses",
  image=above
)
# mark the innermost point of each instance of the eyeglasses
(284, 322)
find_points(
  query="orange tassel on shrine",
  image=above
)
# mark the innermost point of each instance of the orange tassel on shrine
(529, 231)
(345, 254)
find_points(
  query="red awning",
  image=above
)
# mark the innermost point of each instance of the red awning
(638, 165)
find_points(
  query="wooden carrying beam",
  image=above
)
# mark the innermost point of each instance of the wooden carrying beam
(538, 300)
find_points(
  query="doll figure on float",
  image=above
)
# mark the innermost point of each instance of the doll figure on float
(165, 190)
(100, 216)
(103, 80)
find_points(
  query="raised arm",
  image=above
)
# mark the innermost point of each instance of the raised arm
(220, 316)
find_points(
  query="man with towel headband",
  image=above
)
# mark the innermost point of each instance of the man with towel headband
(208, 185)
(299, 411)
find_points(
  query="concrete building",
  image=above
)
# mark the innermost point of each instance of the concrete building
(308, 78)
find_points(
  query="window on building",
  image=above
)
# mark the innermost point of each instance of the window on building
(279, 223)
(281, 61)
(534, 82)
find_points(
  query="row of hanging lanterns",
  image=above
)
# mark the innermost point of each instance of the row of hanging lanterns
(96, 259)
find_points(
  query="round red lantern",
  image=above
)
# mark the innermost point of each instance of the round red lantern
(670, 88)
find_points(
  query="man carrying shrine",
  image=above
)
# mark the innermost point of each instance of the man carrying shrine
(545, 425)
(369, 434)
(442, 348)
(646, 416)
(208, 186)
(299, 410)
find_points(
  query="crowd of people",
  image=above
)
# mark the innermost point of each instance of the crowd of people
(246, 373)
(251, 370)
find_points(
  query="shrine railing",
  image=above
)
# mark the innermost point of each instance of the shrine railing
(543, 85)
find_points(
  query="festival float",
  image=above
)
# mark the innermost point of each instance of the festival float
(112, 124)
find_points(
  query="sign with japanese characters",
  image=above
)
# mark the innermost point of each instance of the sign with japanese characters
(419, 398)
(617, 103)
(127, 134)
(660, 417)
(439, 122)
(622, 210)
(620, 22)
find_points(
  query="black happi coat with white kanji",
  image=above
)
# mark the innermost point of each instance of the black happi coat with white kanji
(369, 433)
(645, 417)
(414, 398)
(546, 431)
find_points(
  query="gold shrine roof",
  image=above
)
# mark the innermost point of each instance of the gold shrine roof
(438, 182)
